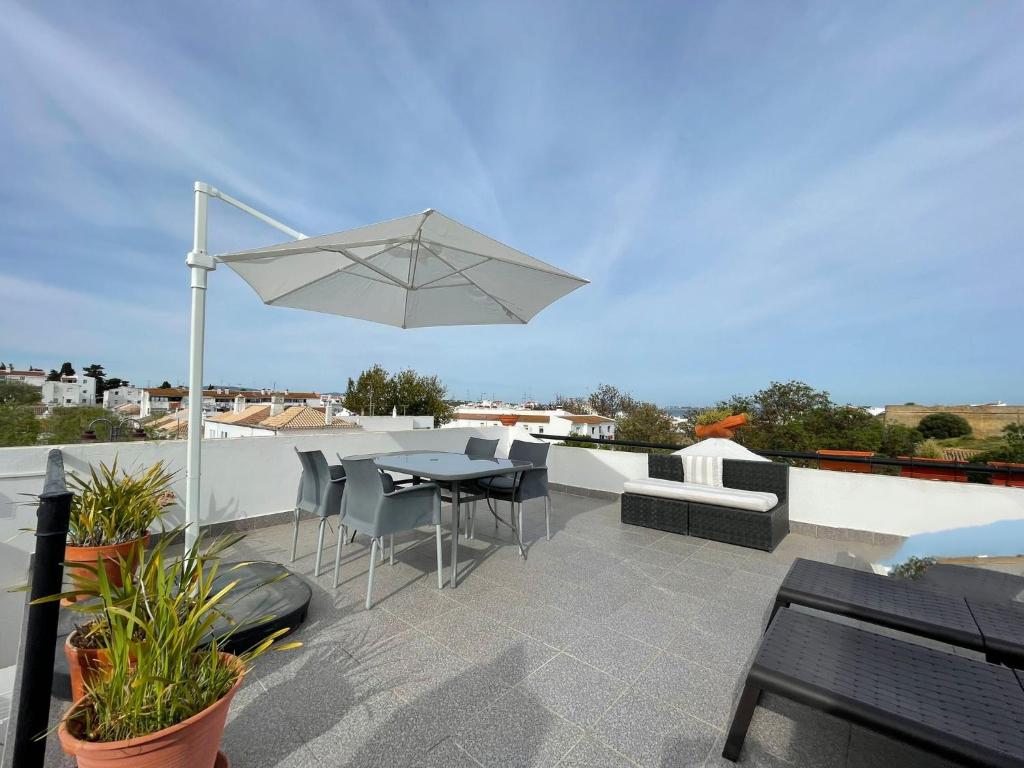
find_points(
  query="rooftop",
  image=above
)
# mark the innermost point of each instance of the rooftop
(609, 646)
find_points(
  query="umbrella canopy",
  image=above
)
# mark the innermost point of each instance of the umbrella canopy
(416, 271)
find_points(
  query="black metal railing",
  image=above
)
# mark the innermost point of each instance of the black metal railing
(871, 461)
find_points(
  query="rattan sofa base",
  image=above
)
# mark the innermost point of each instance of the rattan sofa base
(654, 512)
(756, 530)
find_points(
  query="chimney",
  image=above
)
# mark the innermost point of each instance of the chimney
(329, 413)
(276, 405)
(239, 404)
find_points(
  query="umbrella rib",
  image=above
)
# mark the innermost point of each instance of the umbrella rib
(325, 277)
(359, 260)
(553, 271)
(455, 272)
(491, 296)
(297, 248)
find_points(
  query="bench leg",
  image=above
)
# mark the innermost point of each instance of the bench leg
(741, 721)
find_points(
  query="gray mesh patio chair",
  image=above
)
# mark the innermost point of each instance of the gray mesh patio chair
(476, 448)
(528, 485)
(369, 509)
(321, 489)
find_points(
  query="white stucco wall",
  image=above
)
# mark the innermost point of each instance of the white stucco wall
(245, 478)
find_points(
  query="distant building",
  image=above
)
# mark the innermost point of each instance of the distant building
(35, 378)
(985, 420)
(70, 391)
(118, 396)
(550, 422)
(265, 420)
(163, 399)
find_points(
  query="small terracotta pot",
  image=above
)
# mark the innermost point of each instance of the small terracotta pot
(924, 472)
(192, 743)
(1013, 481)
(508, 420)
(844, 466)
(84, 664)
(108, 555)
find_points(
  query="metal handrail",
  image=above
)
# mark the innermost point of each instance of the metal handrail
(803, 455)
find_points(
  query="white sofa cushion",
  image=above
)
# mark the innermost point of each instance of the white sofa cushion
(703, 470)
(755, 501)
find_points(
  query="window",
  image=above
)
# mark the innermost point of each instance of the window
(540, 430)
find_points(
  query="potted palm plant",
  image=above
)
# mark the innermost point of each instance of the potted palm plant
(111, 513)
(162, 695)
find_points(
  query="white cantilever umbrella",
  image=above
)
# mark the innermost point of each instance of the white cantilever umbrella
(416, 271)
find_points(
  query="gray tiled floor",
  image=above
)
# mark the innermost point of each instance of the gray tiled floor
(610, 646)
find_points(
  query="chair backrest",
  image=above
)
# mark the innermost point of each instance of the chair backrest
(533, 484)
(479, 448)
(364, 491)
(536, 453)
(313, 483)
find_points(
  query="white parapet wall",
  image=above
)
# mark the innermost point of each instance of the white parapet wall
(246, 478)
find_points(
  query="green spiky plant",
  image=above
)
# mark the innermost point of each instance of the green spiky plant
(162, 667)
(111, 506)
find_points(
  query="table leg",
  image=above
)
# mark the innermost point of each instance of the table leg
(455, 533)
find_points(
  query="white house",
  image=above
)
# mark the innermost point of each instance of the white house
(118, 396)
(33, 377)
(551, 422)
(70, 391)
(163, 399)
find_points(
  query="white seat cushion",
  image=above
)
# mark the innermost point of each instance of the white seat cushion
(755, 501)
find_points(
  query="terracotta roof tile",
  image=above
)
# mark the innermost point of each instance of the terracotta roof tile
(303, 417)
(250, 416)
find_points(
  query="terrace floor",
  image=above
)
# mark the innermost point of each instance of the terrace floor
(610, 646)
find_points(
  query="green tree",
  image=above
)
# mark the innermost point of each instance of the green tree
(67, 369)
(114, 382)
(18, 393)
(572, 404)
(18, 425)
(899, 440)
(53, 375)
(647, 423)
(939, 426)
(607, 400)
(377, 392)
(66, 425)
(842, 427)
(778, 415)
(96, 371)
(165, 384)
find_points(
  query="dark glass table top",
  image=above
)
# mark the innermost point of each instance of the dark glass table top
(439, 465)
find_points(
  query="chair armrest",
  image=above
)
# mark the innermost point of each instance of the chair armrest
(431, 487)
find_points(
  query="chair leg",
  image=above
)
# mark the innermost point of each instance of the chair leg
(369, 584)
(295, 534)
(472, 520)
(391, 548)
(741, 721)
(440, 565)
(319, 546)
(520, 521)
(337, 552)
(547, 515)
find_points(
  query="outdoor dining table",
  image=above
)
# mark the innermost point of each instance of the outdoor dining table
(452, 468)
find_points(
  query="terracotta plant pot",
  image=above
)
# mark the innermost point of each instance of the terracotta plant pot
(844, 466)
(725, 428)
(508, 420)
(924, 472)
(1013, 481)
(108, 555)
(192, 743)
(84, 664)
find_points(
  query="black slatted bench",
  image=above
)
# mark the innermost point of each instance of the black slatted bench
(958, 708)
(994, 628)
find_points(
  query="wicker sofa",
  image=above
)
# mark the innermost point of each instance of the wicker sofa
(746, 528)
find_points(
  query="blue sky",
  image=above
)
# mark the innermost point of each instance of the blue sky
(828, 192)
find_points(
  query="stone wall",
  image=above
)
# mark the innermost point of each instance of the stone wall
(985, 420)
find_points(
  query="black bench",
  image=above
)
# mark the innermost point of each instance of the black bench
(954, 707)
(993, 627)
(745, 528)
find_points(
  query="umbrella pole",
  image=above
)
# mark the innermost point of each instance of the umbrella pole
(200, 264)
